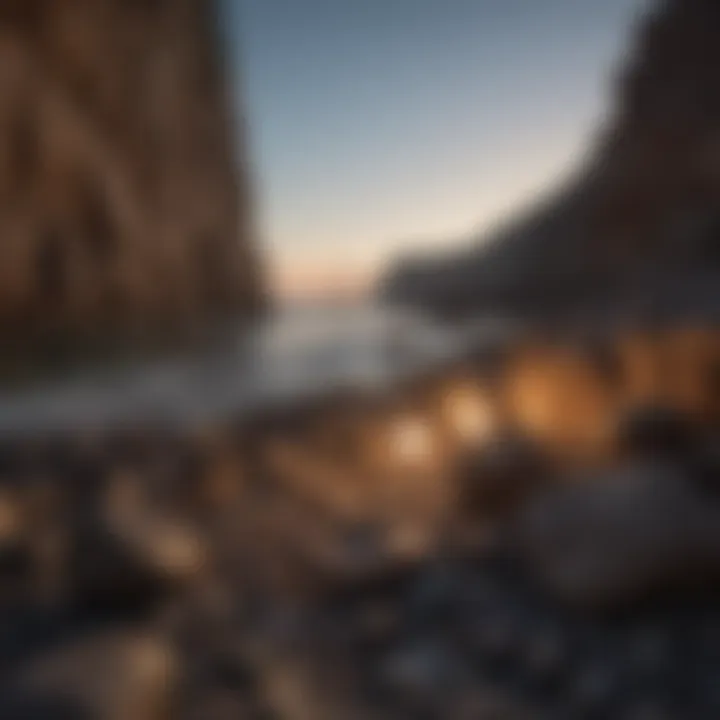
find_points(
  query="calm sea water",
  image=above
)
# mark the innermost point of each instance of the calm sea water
(297, 351)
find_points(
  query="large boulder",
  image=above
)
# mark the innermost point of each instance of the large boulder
(639, 531)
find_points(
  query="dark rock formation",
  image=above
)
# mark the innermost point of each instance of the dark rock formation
(639, 532)
(635, 231)
(121, 202)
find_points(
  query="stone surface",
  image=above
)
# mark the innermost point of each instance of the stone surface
(121, 200)
(637, 532)
(286, 618)
(121, 676)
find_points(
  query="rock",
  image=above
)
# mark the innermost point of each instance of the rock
(296, 687)
(654, 432)
(632, 232)
(424, 671)
(496, 638)
(379, 622)
(561, 396)
(120, 676)
(649, 653)
(498, 479)
(630, 534)
(649, 710)
(12, 520)
(153, 230)
(706, 467)
(131, 554)
(488, 704)
(546, 658)
(433, 596)
(221, 706)
(594, 691)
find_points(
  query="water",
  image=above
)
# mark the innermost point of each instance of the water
(298, 351)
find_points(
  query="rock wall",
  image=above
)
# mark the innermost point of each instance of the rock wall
(636, 230)
(121, 202)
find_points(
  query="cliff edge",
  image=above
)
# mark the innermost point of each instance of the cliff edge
(124, 203)
(637, 229)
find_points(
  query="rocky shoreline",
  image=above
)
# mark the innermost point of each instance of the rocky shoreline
(293, 565)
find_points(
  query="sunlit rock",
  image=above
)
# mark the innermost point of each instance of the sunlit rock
(108, 677)
(12, 520)
(676, 367)
(412, 443)
(470, 414)
(560, 398)
(130, 553)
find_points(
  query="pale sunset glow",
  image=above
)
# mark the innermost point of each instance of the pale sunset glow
(382, 126)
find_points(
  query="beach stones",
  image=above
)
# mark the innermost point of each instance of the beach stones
(499, 478)
(114, 676)
(639, 530)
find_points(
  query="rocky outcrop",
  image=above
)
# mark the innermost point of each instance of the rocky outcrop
(190, 573)
(636, 229)
(121, 201)
(365, 556)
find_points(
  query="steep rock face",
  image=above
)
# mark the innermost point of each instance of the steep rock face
(121, 203)
(638, 228)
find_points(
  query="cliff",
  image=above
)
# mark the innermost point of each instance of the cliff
(637, 229)
(122, 203)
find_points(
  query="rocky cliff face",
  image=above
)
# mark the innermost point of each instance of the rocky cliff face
(121, 203)
(638, 228)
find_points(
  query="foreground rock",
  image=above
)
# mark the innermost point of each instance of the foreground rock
(244, 608)
(628, 536)
(120, 676)
(316, 583)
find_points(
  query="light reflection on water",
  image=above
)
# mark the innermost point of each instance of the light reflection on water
(296, 351)
(360, 344)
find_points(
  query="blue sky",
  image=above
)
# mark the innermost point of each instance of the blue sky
(377, 125)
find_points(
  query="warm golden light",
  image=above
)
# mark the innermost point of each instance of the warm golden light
(470, 414)
(411, 441)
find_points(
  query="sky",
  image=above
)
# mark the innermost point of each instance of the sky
(379, 126)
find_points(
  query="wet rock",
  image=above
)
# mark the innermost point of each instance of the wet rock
(594, 690)
(382, 622)
(118, 676)
(130, 554)
(649, 710)
(546, 659)
(12, 520)
(298, 687)
(495, 638)
(422, 671)
(705, 467)
(433, 596)
(222, 706)
(640, 530)
(655, 432)
(499, 478)
(487, 703)
(48, 708)
(15, 557)
(649, 653)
